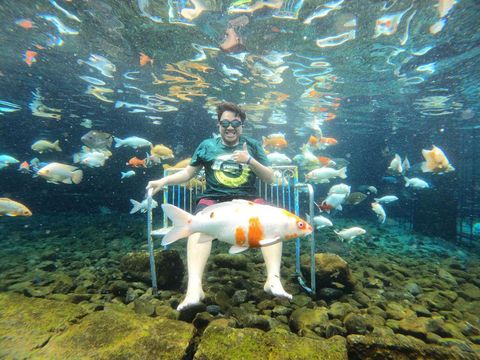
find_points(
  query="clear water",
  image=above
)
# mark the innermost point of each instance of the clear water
(381, 77)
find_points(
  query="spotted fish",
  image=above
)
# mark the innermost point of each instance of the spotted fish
(241, 223)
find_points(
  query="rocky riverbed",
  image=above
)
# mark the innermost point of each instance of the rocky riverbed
(79, 287)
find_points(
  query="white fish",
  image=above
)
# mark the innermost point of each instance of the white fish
(141, 206)
(322, 175)
(127, 174)
(350, 233)
(320, 221)
(11, 207)
(133, 142)
(332, 202)
(42, 146)
(406, 165)
(241, 223)
(396, 164)
(87, 123)
(340, 189)
(57, 173)
(6, 160)
(277, 158)
(380, 211)
(386, 199)
(416, 183)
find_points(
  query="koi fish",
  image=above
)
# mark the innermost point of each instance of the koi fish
(29, 57)
(10, 207)
(145, 59)
(136, 162)
(350, 233)
(240, 223)
(27, 24)
(380, 211)
(436, 161)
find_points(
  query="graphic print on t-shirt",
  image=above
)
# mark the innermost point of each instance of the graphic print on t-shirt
(228, 172)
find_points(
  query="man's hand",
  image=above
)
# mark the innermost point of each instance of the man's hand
(241, 156)
(155, 185)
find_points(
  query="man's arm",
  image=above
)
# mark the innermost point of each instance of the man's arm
(265, 173)
(177, 178)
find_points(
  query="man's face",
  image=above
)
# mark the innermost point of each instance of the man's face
(231, 134)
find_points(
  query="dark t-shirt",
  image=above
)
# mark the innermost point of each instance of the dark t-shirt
(226, 178)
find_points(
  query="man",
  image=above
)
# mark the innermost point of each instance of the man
(232, 162)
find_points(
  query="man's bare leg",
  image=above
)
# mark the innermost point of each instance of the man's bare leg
(273, 257)
(197, 256)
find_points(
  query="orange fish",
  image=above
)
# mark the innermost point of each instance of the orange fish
(330, 116)
(25, 23)
(136, 162)
(329, 141)
(24, 167)
(39, 47)
(277, 142)
(145, 59)
(313, 140)
(324, 160)
(30, 57)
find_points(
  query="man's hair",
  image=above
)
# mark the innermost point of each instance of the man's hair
(227, 106)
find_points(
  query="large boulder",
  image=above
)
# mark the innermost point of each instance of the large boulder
(401, 347)
(47, 329)
(331, 272)
(222, 342)
(169, 268)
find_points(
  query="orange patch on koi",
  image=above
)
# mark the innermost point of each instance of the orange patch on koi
(30, 57)
(255, 232)
(240, 237)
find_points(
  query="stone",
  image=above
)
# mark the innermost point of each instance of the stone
(330, 270)
(355, 324)
(239, 297)
(401, 347)
(303, 321)
(445, 275)
(469, 292)
(413, 288)
(119, 288)
(168, 264)
(338, 310)
(237, 262)
(222, 342)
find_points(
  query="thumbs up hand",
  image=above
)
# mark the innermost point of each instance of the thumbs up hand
(242, 156)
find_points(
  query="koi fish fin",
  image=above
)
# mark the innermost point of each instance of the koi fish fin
(205, 238)
(181, 224)
(267, 242)
(237, 249)
(162, 231)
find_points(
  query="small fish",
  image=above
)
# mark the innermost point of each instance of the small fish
(277, 158)
(355, 198)
(141, 206)
(340, 189)
(145, 59)
(396, 165)
(42, 146)
(57, 173)
(30, 57)
(24, 167)
(386, 199)
(126, 175)
(436, 161)
(136, 162)
(240, 223)
(416, 183)
(86, 123)
(333, 202)
(10, 207)
(96, 139)
(350, 233)
(323, 175)
(27, 24)
(6, 160)
(133, 142)
(162, 152)
(276, 141)
(380, 211)
(406, 165)
(320, 221)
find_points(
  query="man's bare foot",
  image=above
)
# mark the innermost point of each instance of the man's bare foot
(276, 289)
(192, 298)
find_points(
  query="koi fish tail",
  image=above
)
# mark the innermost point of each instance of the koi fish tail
(181, 224)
